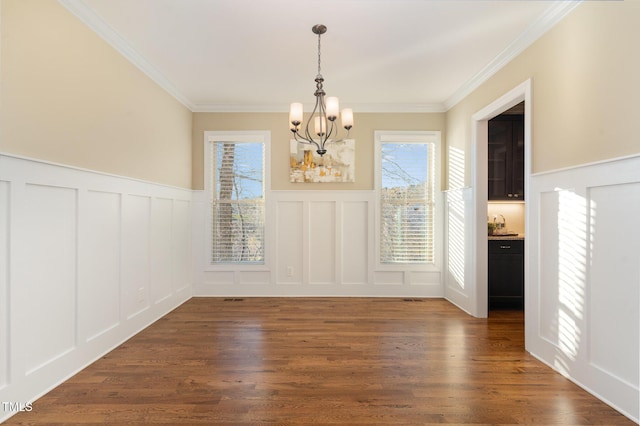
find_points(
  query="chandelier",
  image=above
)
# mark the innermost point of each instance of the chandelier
(323, 116)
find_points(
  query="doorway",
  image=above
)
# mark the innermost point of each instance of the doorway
(505, 212)
(479, 243)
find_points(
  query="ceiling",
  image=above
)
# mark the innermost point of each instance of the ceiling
(377, 55)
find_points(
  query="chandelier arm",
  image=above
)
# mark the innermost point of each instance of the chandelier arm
(302, 139)
(344, 138)
(307, 134)
(311, 119)
(333, 130)
(341, 139)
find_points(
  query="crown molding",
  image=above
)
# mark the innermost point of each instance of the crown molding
(85, 14)
(548, 20)
(358, 108)
(240, 108)
(551, 17)
(399, 108)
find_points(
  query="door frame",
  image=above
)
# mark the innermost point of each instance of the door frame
(479, 176)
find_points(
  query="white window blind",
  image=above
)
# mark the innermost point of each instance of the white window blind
(238, 202)
(407, 205)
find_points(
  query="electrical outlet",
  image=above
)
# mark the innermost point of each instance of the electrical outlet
(141, 295)
(289, 271)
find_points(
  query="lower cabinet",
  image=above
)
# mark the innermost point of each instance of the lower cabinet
(506, 274)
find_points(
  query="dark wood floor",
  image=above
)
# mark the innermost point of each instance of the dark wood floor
(317, 361)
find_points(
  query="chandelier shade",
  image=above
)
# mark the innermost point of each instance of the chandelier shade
(321, 127)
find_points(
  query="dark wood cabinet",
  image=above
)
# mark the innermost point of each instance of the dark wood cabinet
(506, 158)
(506, 274)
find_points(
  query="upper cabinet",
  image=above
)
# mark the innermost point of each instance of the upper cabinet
(506, 158)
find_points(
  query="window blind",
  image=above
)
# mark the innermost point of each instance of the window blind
(407, 203)
(238, 208)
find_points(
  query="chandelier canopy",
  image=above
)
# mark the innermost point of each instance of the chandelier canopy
(323, 116)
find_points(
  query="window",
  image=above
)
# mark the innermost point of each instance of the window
(406, 183)
(237, 188)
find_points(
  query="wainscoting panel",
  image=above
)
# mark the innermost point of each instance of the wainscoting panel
(136, 257)
(99, 284)
(289, 242)
(355, 237)
(220, 279)
(182, 260)
(583, 298)
(549, 267)
(319, 243)
(614, 301)
(5, 196)
(82, 256)
(389, 278)
(429, 279)
(47, 232)
(459, 282)
(161, 250)
(259, 278)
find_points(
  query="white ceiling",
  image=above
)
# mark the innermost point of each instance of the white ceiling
(377, 55)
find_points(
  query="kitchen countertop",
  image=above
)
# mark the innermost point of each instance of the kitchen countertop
(506, 237)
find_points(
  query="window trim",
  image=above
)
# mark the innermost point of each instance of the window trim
(400, 136)
(210, 137)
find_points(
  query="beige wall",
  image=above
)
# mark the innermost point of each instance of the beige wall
(70, 98)
(585, 75)
(276, 123)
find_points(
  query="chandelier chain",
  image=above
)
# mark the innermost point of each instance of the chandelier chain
(319, 54)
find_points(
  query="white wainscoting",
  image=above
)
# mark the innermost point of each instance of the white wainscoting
(583, 298)
(458, 286)
(86, 261)
(319, 243)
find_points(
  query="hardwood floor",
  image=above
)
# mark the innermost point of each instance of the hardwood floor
(317, 361)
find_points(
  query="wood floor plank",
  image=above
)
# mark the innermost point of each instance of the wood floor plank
(304, 361)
